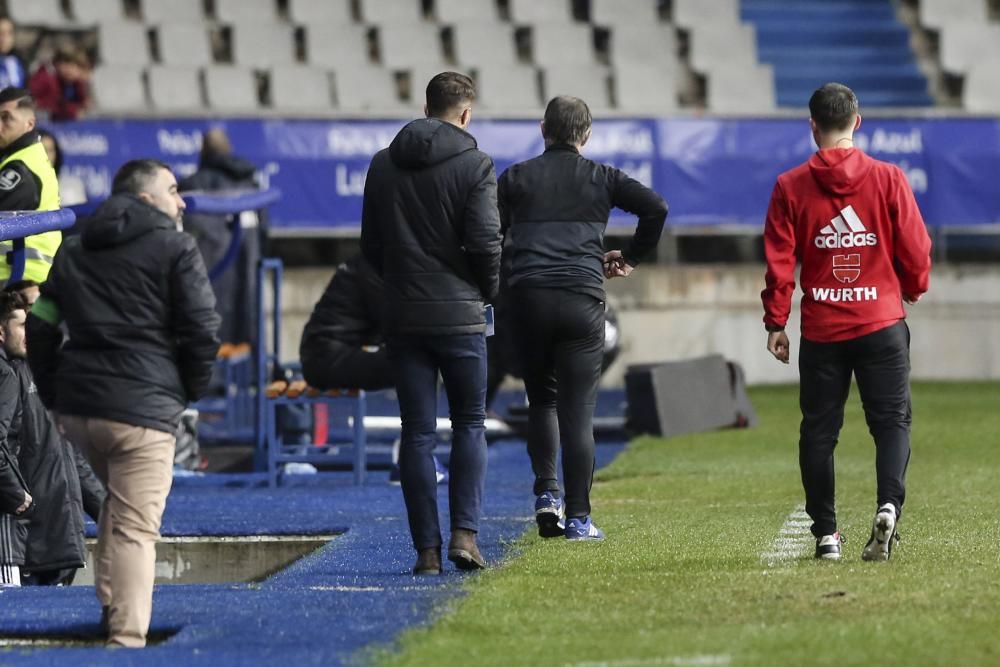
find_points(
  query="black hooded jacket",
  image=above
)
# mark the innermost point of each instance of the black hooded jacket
(430, 227)
(62, 485)
(12, 484)
(141, 319)
(349, 313)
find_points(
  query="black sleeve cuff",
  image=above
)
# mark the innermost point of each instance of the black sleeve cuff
(773, 328)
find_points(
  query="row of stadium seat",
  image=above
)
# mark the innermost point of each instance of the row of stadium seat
(367, 89)
(969, 47)
(51, 14)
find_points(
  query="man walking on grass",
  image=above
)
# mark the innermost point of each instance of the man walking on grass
(852, 223)
(430, 228)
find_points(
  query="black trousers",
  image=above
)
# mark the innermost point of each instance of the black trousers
(560, 336)
(340, 366)
(880, 362)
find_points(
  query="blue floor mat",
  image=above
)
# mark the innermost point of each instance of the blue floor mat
(353, 593)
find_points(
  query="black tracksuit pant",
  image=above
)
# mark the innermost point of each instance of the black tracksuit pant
(560, 336)
(880, 362)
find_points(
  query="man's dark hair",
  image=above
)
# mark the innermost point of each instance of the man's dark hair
(19, 285)
(449, 90)
(9, 302)
(567, 120)
(833, 107)
(135, 176)
(21, 95)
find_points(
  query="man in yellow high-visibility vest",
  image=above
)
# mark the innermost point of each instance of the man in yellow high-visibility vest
(27, 182)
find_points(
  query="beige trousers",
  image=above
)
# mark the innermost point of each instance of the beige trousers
(136, 465)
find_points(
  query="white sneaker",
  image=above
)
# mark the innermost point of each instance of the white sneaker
(879, 547)
(297, 468)
(828, 547)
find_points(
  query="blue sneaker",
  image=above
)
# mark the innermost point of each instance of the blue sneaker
(550, 515)
(583, 529)
(440, 473)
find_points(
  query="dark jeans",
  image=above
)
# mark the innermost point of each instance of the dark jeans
(339, 366)
(880, 362)
(561, 340)
(461, 361)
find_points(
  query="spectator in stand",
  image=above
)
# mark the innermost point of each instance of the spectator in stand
(62, 88)
(220, 169)
(71, 188)
(12, 70)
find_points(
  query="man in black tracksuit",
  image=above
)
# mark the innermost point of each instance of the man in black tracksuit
(430, 228)
(342, 343)
(62, 483)
(140, 313)
(15, 499)
(555, 208)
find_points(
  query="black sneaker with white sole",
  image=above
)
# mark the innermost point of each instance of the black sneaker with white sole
(828, 546)
(879, 546)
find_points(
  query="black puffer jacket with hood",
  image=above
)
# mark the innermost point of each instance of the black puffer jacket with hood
(430, 227)
(141, 318)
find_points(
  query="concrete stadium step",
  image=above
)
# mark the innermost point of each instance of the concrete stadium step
(799, 34)
(807, 11)
(869, 98)
(856, 56)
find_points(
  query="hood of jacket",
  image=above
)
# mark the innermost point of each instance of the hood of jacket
(428, 141)
(235, 168)
(840, 171)
(121, 219)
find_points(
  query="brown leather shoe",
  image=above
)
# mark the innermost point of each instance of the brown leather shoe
(463, 551)
(428, 562)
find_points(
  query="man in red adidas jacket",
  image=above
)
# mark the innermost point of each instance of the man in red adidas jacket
(852, 223)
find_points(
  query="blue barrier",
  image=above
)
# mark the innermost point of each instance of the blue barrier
(16, 225)
(230, 203)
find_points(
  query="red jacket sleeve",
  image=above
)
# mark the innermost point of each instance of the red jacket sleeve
(45, 89)
(779, 249)
(912, 251)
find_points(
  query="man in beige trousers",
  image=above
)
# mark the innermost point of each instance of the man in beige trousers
(140, 313)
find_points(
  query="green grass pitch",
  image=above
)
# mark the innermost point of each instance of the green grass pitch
(684, 577)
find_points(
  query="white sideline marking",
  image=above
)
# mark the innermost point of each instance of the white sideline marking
(793, 541)
(348, 589)
(674, 660)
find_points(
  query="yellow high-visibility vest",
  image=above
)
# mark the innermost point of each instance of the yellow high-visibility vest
(40, 248)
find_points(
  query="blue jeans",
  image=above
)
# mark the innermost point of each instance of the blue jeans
(461, 361)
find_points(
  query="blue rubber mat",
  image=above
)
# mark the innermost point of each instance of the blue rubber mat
(353, 593)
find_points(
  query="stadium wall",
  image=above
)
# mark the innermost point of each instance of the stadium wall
(677, 312)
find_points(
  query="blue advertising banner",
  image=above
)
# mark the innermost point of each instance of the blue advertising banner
(711, 171)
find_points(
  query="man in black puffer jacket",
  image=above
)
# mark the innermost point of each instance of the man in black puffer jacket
(430, 227)
(61, 482)
(140, 313)
(342, 343)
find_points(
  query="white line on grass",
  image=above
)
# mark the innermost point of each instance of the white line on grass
(793, 541)
(671, 660)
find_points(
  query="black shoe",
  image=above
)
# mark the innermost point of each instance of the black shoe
(464, 552)
(828, 546)
(428, 562)
(879, 547)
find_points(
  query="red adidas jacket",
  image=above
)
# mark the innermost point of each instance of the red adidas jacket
(852, 223)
